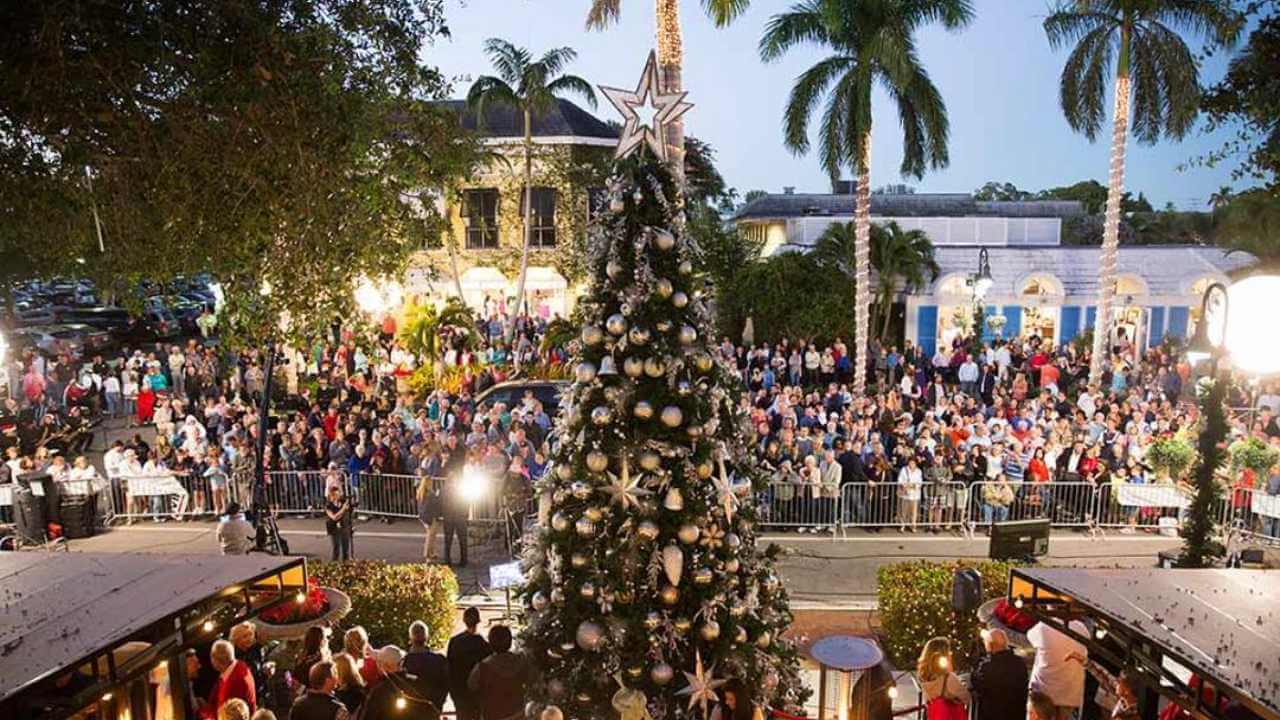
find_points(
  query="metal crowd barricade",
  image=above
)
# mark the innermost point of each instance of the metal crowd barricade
(157, 496)
(384, 495)
(1253, 513)
(881, 505)
(1146, 506)
(796, 506)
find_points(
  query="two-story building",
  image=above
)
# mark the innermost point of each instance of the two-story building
(1041, 286)
(480, 249)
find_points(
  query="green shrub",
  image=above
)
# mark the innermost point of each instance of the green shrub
(1253, 454)
(915, 605)
(386, 598)
(1171, 457)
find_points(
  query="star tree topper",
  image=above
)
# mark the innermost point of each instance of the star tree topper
(647, 111)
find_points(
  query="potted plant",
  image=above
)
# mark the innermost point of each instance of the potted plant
(1171, 458)
(1252, 455)
(291, 619)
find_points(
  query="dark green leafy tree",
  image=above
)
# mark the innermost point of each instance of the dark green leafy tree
(1001, 191)
(531, 87)
(1251, 223)
(645, 568)
(901, 258)
(273, 144)
(1156, 84)
(871, 44)
(1247, 102)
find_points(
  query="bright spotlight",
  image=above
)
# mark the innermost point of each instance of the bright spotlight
(893, 692)
(401, 703)
(474, 484)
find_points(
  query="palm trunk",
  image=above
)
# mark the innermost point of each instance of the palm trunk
(861, 268)
(1110, 232)
(670, 64)
(886, 316)
(528, 223)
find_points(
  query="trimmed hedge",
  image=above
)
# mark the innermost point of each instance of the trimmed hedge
(915, 605)
(386, 598)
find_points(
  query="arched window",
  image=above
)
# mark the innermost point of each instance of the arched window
(955, 285)
(1041, 284)
(1130, 285)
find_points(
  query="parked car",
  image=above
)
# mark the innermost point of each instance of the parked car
(113, 320)
(52, 340)
(28, 315)
(90, 339)
(511, 394)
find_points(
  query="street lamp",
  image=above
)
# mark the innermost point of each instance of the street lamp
(1253, 348)
(982, 280)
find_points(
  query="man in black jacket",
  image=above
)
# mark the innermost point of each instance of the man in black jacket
(849, 456)
(1000, 680)
(466, 650)
(455, 506)
(430, 669)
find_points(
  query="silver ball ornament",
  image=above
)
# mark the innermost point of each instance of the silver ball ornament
(539, 601)
(647, 530)
(650, 461)
(601, 415)
(557, 596)
(686, 267)
(661, 674)
(587, 591)
(672, 416)
(590, 635)
(638, 336)
(679, 299)
(684, 388)
(633, 367)
(654, 368)
(664, 288)
(731, 565)
(688, 335)
(597, 461)
(585, 527)
(613, 269)
(585, 372)
(732, 541)
(592, 335)
(688, 533)
(580, 490)
(559, 522)
(643, 410)
(664, 240)
(616, 324)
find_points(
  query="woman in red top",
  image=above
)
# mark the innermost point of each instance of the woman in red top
(1037, 470)
(234, 680)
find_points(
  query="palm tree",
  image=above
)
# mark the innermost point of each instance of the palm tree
(1154, 69)
(670, 49)
(1220, 199)
(872, 42)
(899, 257)
(531, 87)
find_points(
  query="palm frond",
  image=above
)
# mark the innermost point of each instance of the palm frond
(509, 60)
(573, 85)
(723, 12)
(1216, 21)
(951, 14)
(926, 129)
(602, 13)
(554, 60)
(804, 23)
(1174, 72)
(489, 91)
(1067, 26)
(1083, 87)
(805, 95)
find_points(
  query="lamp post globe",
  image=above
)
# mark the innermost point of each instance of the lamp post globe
(1250, 342)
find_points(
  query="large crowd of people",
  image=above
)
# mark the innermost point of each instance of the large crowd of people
(966, 436)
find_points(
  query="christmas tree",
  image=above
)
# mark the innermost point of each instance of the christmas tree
(645, 588)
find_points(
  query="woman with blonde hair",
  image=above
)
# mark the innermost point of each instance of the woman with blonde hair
(356, 644)
(430, 512)
(234, 709)
(351, 686)
(946, 698)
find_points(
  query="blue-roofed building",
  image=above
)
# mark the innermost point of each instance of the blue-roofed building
(1041, 287)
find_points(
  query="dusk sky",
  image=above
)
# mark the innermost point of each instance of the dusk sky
(999, 79)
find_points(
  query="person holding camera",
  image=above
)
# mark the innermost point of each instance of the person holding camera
(337, 510)
(236, 535)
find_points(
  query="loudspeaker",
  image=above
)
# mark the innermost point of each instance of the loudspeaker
(966, 590)
(28, 515)
(1019, 540)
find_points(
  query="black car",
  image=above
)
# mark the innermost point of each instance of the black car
(511, 394)
(113, 320)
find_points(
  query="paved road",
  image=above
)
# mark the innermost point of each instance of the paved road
(819, 571)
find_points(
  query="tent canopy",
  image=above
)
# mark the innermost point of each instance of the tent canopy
(1223, 626)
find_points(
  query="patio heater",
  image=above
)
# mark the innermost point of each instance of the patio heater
(839, 657)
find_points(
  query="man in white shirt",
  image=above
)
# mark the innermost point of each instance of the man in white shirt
(235, 535)
(1059, 667)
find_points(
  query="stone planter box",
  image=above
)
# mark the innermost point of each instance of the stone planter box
(339, 606)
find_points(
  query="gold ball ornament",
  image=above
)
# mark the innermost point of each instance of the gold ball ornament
(578, 560)
(650, 461)
(592, 335)
(559, 522)
(616, 324)
(688, 534)
(672, 416)
(704, 362)
(664, 288)
(764, 640)
(664, 240)
(704, 470)
(593, 513)
(601, 415)
(688, 335)
(564, 471)
(679, 299)
(661, 674)
(539, 601)
(686, 267)
(585, 527)
(638, 336)
(633, 367)
(613, 269)
(740, 635)
(710, 630)
(585, 372)
(597, 461)
(643, 410)
(682, 625)
(654, 368)
(731, 565)
(647, 531)
(669, 595)
(702, 576)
